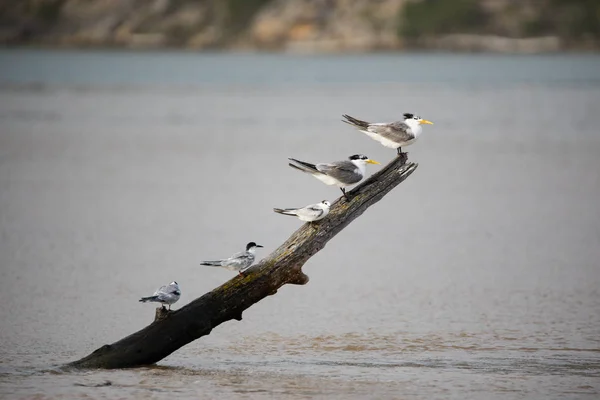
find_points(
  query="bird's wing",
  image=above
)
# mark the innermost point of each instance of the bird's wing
(343, 171)
(302, 166)
(355, 122)
(326, 168)
(395, 131)
(173, 290)
(169, 296)
(239, 259)
(160, 290)
(164, 293)
(286, 211)
(313, 211)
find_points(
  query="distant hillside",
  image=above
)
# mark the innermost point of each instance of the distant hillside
(305, 25)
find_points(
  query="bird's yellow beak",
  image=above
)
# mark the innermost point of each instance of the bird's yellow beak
(424, 121)
(373, 162)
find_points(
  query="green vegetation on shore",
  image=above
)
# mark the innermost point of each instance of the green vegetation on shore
(568, 19)
(437, 17)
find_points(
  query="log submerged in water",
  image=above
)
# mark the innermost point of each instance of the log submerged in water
(174, 329)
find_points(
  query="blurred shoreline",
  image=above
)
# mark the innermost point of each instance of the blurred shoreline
(305, 26)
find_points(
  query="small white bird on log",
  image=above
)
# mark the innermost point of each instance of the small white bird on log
(237, 262)
(339, 173)
(310, 213)
(168, 294)
(394, 135)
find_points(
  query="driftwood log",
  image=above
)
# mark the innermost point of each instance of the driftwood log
(172, 330)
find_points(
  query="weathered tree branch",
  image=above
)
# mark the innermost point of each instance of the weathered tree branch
(174, 329)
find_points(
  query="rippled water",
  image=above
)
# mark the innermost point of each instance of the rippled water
(478, 277)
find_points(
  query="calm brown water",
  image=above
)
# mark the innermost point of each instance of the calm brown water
(479, 277)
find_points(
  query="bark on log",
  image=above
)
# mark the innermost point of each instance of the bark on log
(173, 329)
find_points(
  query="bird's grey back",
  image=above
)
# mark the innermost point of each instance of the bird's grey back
(344, 171)
(172, 289)
(397, 131)
(242, 258)
(161, 290)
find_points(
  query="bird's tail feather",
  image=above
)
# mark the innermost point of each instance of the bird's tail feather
(150, 298)
(303, 166)
(297, 167)
(355, 122)
(211, 263)
(286, 211)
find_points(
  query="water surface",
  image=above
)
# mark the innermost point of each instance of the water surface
(478, 277)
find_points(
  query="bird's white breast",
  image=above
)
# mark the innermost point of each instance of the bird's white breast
(416, 130)
(362, 167)
(387, 142)
(328, 180)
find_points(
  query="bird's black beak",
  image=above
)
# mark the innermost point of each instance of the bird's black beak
(258, 245)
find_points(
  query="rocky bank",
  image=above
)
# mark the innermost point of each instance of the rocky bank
(527, 26)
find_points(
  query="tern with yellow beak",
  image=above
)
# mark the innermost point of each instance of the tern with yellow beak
(338, 173)
(394, 135)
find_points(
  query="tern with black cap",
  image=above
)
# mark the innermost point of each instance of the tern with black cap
(339, 173)
(238, 262)
(394, 135)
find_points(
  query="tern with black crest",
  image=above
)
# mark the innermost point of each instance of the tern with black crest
(238, 262)
(339, 173)
(394, 135)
